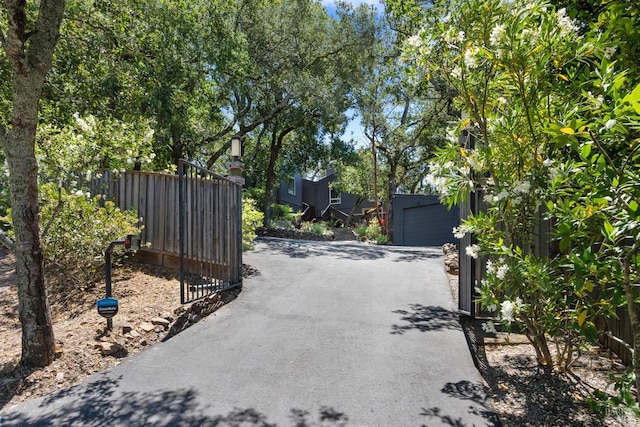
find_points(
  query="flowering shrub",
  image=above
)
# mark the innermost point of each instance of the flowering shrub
(373, 229)
(546, 109)
(90, 145)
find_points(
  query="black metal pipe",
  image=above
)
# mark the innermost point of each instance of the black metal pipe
(107, 261)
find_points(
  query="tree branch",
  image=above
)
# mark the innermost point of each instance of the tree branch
(281, 106)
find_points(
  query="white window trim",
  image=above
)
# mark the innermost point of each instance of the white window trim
(334, 200)
(291, 186)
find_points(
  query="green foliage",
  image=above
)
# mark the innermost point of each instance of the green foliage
(251, 220)
(361, 230)
(91, 144)
(622, 405)
(282, 212)
(552, 124)
(373, 229)
(319, 228)
(77, 230)
(382, 239)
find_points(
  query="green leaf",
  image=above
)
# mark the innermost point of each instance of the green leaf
(588, 285)
(585, 151)
(608, 227)
(610, 230)
(590, 332)
(633, 206)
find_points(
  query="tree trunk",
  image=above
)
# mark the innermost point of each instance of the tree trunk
(37, 329)
(393, 187)
(30, 64)
(375, 172)
(269, 178)
(353, 210)
(632, 309)
(277, 141)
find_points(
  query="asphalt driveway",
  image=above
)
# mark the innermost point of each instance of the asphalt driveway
(328, 334)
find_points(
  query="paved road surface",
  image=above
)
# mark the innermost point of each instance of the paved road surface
(329, 334)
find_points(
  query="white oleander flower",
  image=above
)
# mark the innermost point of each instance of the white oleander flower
(507, 311)
(473, 251)
(497, 34)
(491, 269)
(501, 272)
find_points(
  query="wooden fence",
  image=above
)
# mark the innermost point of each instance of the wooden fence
(619, 337)
(191, 224)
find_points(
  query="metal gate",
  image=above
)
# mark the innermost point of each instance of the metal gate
(469, 271)
(210, 231)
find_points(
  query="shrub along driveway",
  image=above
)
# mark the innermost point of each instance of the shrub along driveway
(338, 333)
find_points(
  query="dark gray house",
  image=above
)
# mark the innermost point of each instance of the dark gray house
(319, 201)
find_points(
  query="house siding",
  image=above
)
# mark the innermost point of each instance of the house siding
(293, 200)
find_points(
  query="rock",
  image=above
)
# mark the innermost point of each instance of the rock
(159, 328)
(168, 316)
(126, 328)
(160, 321)
(194, 318)
(143, 342)
(147, 327)
(451, 263)
(109, 348)
(450, 258)
(134, 334)
(59, 377)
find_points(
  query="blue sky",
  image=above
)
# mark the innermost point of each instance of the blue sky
(354, 129)
(355, 2)
(329, 4)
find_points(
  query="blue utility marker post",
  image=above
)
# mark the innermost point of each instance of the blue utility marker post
(108, 307)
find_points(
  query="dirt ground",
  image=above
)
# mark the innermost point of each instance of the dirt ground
(520, 393)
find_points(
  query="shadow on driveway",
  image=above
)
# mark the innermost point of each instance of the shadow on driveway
(344, 250)
(97, 405)
(464, 390)
(425, 319)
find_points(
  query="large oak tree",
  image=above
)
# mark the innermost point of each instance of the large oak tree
(28, 45)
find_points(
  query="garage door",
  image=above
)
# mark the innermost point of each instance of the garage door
(428, 225)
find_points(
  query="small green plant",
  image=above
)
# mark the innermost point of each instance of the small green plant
(319, 228)
(283, 216)
(282, 212)
(623, 405)
(361, 230)
(382, 239)
(373, 229)
(251, 220)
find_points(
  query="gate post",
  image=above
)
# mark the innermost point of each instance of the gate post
(236, 167)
